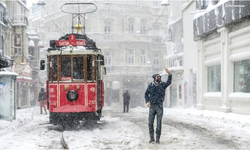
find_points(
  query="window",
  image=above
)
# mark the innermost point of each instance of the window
(131, 26)
(106, 29)
(107, 59)
(1, 16)
(242, 76)
(122, 26)
(54, 68)
(143, 57)
(180, 92)
(156, 30)
(107, 26)
(201, 4)
(214, 78)
(17, 51)
(1, 43)
(139, 2)
(131, 57)
(78, 68)
(143, 26)
(122, 57)
(17, 39)
(131, 29)
(155, 3)
(156, 61)
(65, 68)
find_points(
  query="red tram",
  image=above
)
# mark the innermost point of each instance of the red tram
(75, 89)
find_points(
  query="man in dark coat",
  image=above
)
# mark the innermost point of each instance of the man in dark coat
(42, 100)
(154, 97)
(126, 98)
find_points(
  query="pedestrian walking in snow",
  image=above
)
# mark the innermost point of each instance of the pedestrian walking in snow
(154, 97)
(42, 100)
(126, 99)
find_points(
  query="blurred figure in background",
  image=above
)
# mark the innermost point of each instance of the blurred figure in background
(126, 99)
(42, 100)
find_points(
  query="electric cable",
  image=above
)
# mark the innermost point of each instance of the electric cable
(53, 20)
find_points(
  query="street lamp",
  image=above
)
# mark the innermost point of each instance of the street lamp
(165, 3)
(41, 3)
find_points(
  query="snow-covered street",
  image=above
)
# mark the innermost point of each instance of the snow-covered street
(182, 129)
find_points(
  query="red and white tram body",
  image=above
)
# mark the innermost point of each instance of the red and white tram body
(75, 89)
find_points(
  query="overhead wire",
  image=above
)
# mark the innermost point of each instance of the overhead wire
(53, 20)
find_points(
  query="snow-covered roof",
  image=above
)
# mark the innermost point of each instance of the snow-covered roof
(184, 6)
(3, 24)
(176, 68)
(23, 4)
(8, 73)
(209, 8)
(172, 22)
(173, 55)
(3, 4)
(26, 78)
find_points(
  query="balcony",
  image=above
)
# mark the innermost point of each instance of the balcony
(175, 62)
(223, 14)
(19, 20)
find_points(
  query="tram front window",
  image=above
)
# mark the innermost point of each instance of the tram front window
(77, 67)
(65, 68)
(54, 67)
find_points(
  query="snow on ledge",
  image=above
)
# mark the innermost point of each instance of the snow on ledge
(239, 96)
(8, 73)
(212, 95)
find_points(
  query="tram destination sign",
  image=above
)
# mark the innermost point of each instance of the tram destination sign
(72, 41)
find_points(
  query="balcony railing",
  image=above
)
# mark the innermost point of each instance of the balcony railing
(19, 20)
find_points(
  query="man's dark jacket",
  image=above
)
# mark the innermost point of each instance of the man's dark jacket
(126, 97)
(155, 93)
(42, 96)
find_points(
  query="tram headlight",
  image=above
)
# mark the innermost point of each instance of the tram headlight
(78, 87)
(72, 95)
(66, 87)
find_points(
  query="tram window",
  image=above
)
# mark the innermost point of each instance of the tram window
(89, 67)
(77, 67)
(54, 67)
(65, 68)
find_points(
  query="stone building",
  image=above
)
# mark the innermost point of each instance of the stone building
(16, 46)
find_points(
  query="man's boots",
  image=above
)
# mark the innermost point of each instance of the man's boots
(152, 139)
(41, 112)
(45, 111)
(157, 139)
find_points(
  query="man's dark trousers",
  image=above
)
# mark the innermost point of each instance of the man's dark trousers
(158, 111)
(125, 106)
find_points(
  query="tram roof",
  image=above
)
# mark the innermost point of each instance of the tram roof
(78, 50)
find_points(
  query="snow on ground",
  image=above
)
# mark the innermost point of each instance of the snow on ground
(113, 134)
(30, 129)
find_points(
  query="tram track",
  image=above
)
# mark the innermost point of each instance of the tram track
(65, 145)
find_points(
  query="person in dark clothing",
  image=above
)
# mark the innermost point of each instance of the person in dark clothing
(126, 98)
(42, 100)
(154, 97)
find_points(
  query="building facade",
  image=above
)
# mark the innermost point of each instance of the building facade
(190, 56)
(222, 35)
(174, 56)
(16, 46)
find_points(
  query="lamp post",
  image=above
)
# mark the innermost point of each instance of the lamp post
(165, 3)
